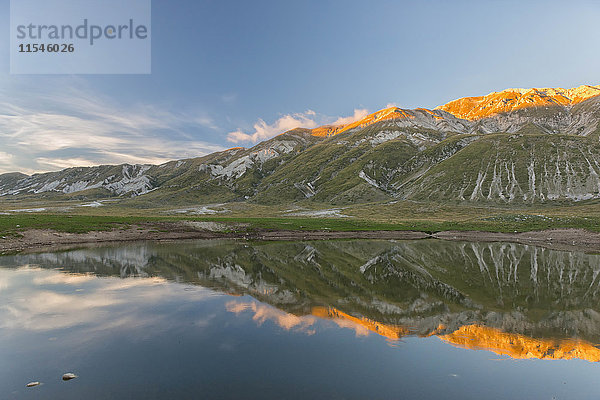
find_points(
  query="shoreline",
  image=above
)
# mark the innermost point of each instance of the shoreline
(45, 239)
(567, 239)
(34, 240)
(40, 239)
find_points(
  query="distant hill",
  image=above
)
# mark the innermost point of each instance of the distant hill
(517, 146)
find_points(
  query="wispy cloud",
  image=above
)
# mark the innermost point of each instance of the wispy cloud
(309, 119)
(5, 159)
(263, 131)
(72, 127)
(229, 98)
(358, 115)
(52, 164)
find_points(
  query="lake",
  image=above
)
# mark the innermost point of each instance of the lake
(353, 319)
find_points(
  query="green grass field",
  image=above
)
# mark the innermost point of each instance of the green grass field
(426, 217)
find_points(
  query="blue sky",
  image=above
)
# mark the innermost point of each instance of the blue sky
(229, 73)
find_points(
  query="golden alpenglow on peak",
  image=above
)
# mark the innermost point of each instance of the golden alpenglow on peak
(390, 113)
(470, 109)
(381, 115)
(361, 325)
(474, 108)
(514, 345)
(473, 337)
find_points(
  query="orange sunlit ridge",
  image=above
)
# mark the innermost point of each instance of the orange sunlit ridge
(476, 108)
(389, 331)
(382, 115)
(477, 337)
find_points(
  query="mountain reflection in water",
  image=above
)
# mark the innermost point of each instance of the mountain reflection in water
(516, 300)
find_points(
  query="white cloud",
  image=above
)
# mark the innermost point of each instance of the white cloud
(72, 127)
(308, 119)
(358, 115)
(67, 125)
(263, 131)
(5, 158)
(56, 164)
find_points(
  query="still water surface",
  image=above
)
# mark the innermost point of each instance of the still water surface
(351, 319)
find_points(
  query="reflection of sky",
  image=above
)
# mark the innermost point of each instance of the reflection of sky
(263, 313)
(149, 338)
(48, 300)
(289, 322)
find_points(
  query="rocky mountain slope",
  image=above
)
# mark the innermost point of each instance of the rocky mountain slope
(517, 146)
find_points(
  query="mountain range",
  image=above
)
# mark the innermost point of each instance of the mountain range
(516, 146)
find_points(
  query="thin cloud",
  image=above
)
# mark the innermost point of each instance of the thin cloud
(74, 128)
(63, 163)
(358, 115)
(308, 119)
(229, 98)
(263, 131)
(5, 158)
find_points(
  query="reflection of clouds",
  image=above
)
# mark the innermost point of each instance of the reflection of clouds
(263, 313)
(287, 321)
(46, 310)
(358, 329)
(40, 300)
(204, 322)
(64, 279)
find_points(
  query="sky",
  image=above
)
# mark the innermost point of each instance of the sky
(234, 73)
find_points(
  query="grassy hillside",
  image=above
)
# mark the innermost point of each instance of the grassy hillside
(519, 168)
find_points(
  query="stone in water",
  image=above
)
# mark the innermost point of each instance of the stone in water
(68, 376)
